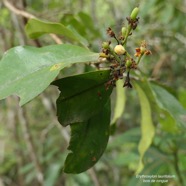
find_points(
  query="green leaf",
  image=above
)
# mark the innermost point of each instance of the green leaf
(88, 23)
(182, 97)
(26, 71)
(147, 127)
(80, 38)
(170, 104)
(168, 124)
(88, 141)
(82, 96)
(36, 28)
(120, 101)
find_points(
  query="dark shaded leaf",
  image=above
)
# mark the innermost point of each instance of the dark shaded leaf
(82, 96)
(88, 141)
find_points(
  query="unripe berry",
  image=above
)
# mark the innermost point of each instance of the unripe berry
(134, 13)
(119, 49)
(128, 63)
(103, 55)
(105, 45)
(124, 31)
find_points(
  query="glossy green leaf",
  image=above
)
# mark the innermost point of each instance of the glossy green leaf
(147, 127)
(120, 101)
(82, 96)
(36, 28)
(170, 104)
(88, 141)
(26, 71)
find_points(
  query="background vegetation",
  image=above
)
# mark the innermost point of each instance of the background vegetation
(33, 144)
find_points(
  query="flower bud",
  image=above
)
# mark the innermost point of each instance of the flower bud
(119, 49)
(134, 13)
(124, 31)
(103, 55)
(142, 50)
(105, 45)
(128, 63)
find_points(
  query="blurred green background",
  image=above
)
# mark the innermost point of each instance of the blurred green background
(33, 145)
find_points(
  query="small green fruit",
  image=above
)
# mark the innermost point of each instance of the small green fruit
(134, 13)
(119, 49)
(128, 63)
(105, 45)
(124, 31)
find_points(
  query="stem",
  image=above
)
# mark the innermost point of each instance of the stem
(129, 28)
(115, 56)
(128, 55)
(139, 58)
(116, 40)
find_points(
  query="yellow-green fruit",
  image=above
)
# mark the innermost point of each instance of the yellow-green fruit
(128, 63)
(105, 45)
(119, 49)
(124, 31)
(134, 13)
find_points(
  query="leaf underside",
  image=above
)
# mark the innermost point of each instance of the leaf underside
(147, 127)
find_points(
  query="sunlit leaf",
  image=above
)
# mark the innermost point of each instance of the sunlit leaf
(82, 96)
(26, 71)
(88, 141)
(147, 127)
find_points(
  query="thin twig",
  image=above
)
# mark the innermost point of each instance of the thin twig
(28, 16)
(17, 11)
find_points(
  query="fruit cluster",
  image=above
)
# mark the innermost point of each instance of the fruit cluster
(120, 60)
